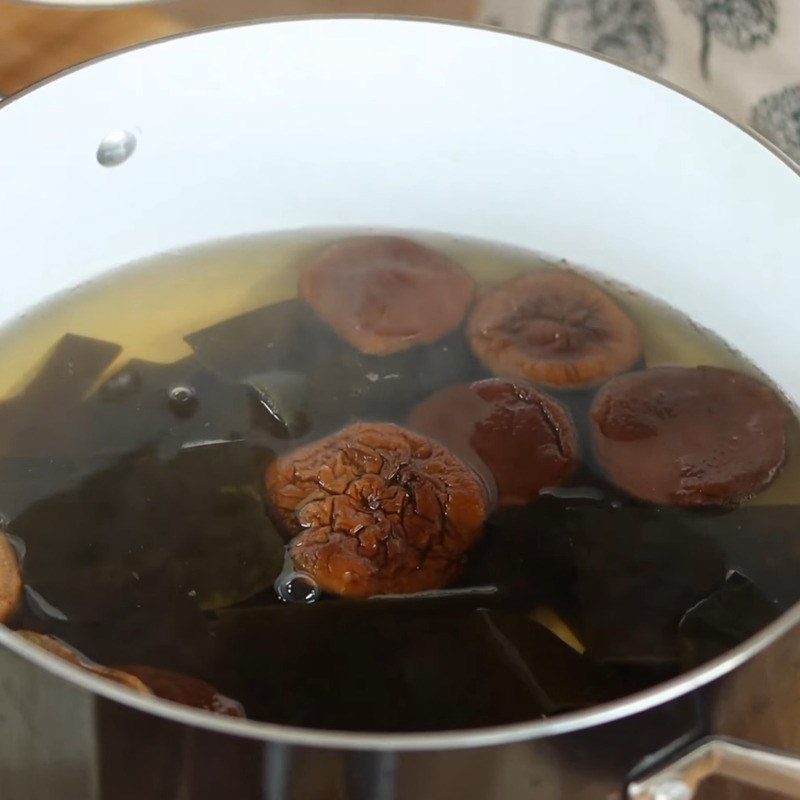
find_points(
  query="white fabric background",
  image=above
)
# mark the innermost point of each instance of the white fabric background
(753, 62)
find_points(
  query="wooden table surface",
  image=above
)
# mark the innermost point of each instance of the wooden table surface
(37, 41)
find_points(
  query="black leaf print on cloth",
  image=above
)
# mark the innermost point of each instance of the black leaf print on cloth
(627, 30)
(777, 116)
(738, 24)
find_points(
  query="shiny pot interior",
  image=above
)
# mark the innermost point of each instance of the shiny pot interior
(408, 124)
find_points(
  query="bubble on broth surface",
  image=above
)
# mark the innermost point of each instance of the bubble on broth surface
(297, 587)
(182, 400)
(171, 404)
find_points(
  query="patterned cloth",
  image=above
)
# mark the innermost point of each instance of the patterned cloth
(741, 56)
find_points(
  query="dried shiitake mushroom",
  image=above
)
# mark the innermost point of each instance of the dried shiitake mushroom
(10, 579)
(383, 294)
(524, 439)
(184, 689)
(143, 679)
(377, 509)
(690, 437)
(61, 649)
(554, 328)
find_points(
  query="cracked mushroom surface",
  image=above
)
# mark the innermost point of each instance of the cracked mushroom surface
(524, 438)
(553, 328)
(384, 294)
(377, 509)
(63, 651)
(10, 579)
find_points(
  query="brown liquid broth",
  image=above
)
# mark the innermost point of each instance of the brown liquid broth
(460, 660)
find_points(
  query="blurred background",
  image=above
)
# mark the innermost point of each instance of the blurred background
(740, 56)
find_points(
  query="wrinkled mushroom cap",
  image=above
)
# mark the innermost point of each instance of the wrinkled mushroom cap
(377, 509)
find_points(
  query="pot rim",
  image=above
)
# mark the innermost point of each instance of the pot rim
(443, 740)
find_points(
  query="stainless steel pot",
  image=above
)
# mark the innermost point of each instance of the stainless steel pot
(414, 125)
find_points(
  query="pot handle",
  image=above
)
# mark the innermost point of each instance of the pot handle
(746, 763)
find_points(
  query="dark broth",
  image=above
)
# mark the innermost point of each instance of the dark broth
(142, 410)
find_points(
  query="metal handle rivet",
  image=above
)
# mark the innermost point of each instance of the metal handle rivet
(116, 148)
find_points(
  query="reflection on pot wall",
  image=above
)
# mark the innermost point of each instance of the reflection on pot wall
(55, 735)
(759, 702)
(184, 763)
(58, 738)
(47, 735)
